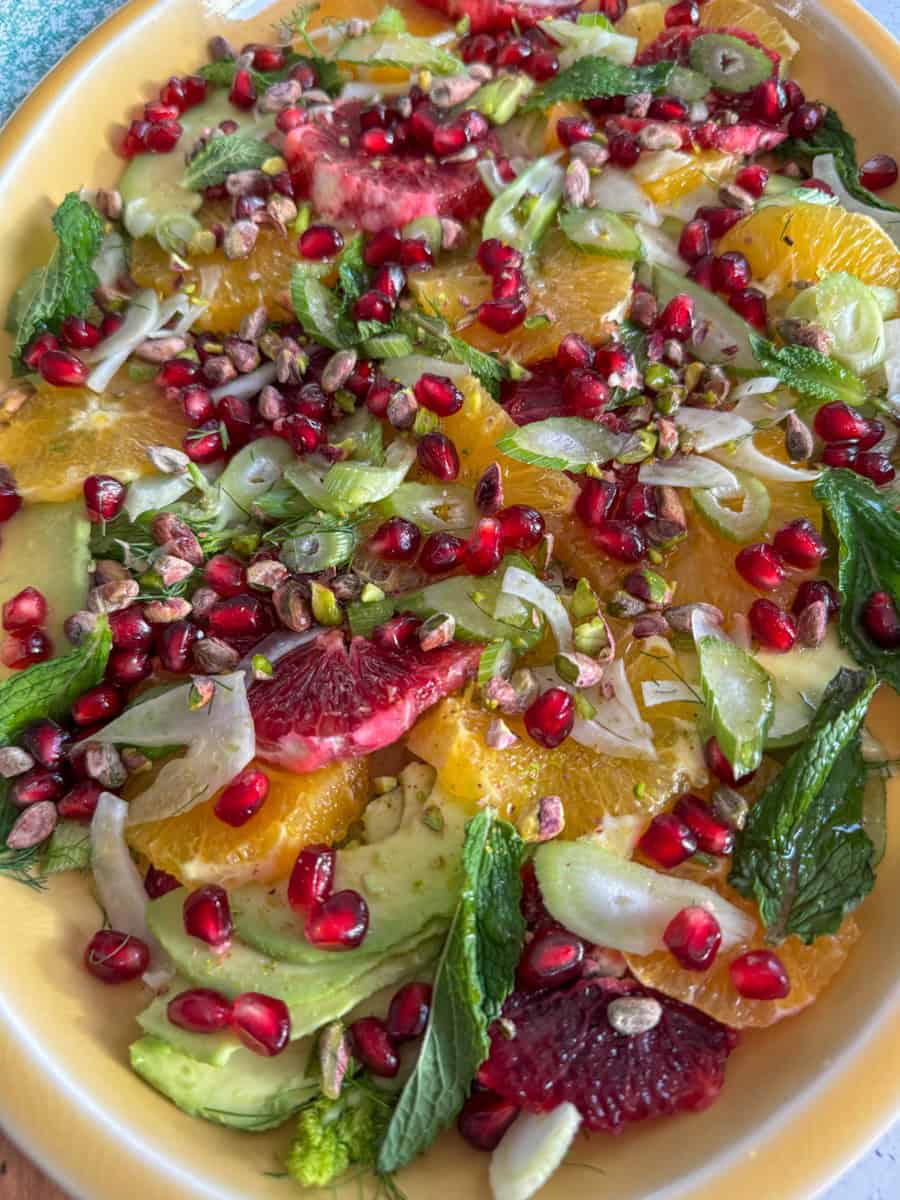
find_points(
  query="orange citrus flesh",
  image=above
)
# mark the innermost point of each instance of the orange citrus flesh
(643, 21)
(61, 435)
(704, 167)
(806, 241)
(578, 293)
(555, 113)
(197, 847)
(744, 14)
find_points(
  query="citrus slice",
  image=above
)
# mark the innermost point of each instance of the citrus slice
(756, 20)
(197, 847)
(451, 737)
(806, 241)
(60, 435)
(556, 113)
(571, 292)
(709, 166)
(643, 21)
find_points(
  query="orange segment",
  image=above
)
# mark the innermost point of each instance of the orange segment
(707, 166)
(576, 292)
(451, 736)
(231, 288)
(555, 113)
(747, 15)
(806, 241)
(197, 847)
(643, 21)
(61, 435)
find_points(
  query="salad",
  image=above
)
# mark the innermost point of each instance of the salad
(451, 548)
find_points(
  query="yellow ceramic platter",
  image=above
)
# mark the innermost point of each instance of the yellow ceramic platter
(801, 1101)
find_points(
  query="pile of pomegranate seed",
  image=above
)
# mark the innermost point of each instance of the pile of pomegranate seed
(508, 306)
(332, 920)
(850, 438)
(26, 640)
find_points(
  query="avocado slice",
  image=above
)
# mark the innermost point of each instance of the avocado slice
(214, 1049)
(248, 1092)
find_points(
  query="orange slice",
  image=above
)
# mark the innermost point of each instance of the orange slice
(643, 21)
(575, 292)
(806, 241)
(744, 14)
(707, 166)
(61, 435)
(555, 113)
(197, 847)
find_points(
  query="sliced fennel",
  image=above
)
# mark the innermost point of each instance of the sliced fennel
(152, 492)
(582, 39)
(720, 335)
(737, 524)
(521, 214)
(354, 484)
(472, 601)
(616, 728)
(850, 311)
(691, 471)
(432, 506)
(403, 50)
(823, 167)
(319, 548)
(740, 699)
(536, 1143)
(623, 905)
(745, 457)
(708, 429)
(250, 474)
(410, 368)
(141, 319)
(599, 231)
(617, 191)
(563, 443)
(528, 587)
(246, 385)
(658, 248)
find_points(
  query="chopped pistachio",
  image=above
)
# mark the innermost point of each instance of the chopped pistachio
(371, 594)
(584, 601)
(325, 607)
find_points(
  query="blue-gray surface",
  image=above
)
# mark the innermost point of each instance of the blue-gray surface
(34, 34)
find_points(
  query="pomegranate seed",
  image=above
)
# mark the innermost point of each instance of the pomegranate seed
(878, 172)
(753, 179)
(36, 786)
(616, 364)
(225, 575)
(263, 1023)
(721, 767)
(570, 130)
(374, 1047)
(159, 883)
(25, 647)
(574, 353)
(800, 544)
(542, 66)
(767, 103)
(199, 1010)
(805, 120)
(416, 254)
(408, 1013)
(624, 150)
(173, 644)
(304, 433)
(237, 617)
(243, 91)
(207, 916)
(376, 141)
(521, 527)
(480, 48)
(306, 75)
(702, 271)
(382, 247)
(872, 436)
(595, 500)
(163, 138)
(237, 415)
(819, 185)
(125, 668)
(423, 125)
(839, 454)
(693, 937)
(439, 394)
(178, 372)
(474, 124)
(291, 118)
(620, 540)
(502, 315)
(173, 94)
(874, 466)
(10, 500)
(448, 139)
(373, 306)
(320, 241)
(667, 108)
(266, 58)
(493, 254)
(638, 504)
(100, 703)
(552, 957)
(24, 610)
(204, 444)
(374, 117)
(197, 404)
(586, 392)
(396, 540)
(793, 95)
(312, 877)
(613, 10)
(396, 633)
(38, 348)
(668, 841)
(243, 797)
(195, 88)
(484, 1119)
(677, 319)
(438, 455)
(379, 396)
(713, 837)
(694, 242)
(550, 718)
(509, 283)
(103, 497)
(483, 552)
(80, 334)
(133, 142)
(812, 590)
(61, 369)
(838, 422)
(46, 742)
(730, 272)
(79, 802)
(362, 379)
(339, 923)
(684, 12)
(760, 975)
(391, 280)
(761, 566)
(772, 627)
(719, 220)
(515, 52)
(880, 620)
(442, 552)
(114, 957)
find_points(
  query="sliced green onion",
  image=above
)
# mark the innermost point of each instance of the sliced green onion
(250, 474)
(500, 99)
(307, 475)
(471, 601)
(687, 84)
(742, 524)
(364, 617)
(739, 697)
(353, 484)
(849, 310)
(318, 550)
(410, 369)
(497, 658)
(361, 436)
(521, 214)
(579, 39)
(563, 443)
(403, 50)
(529, 588)
(432, 506)
(599, 231)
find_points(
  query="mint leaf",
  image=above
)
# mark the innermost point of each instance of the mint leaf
(69, 848)
(591, 76)
(402, 50)
(804, 855)
(431, 335)
(832, 138)
(474, 977)
(48, 689)
(352, 281)
(807, 372)
(222, 73)
(867, 529)
(223, 156)
(319, 310)
(65, 287)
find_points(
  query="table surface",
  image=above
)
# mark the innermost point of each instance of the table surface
(33, 36)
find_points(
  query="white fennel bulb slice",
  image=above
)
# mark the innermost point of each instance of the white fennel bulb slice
(531, 1150)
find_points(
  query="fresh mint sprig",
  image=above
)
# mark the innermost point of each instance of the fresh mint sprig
(810, 374)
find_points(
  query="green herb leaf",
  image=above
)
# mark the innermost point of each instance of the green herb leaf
(16, 864)
(867, 529)
(589, 77)
(69, 848)
(319, 310)
(222, 73)
(807, 372)
(563, 443)
(431, 335)
(353, 274)
(832, 138)
(804, 855)
(402, 50)
(474, 977)
(223, 156)
(65, 287)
